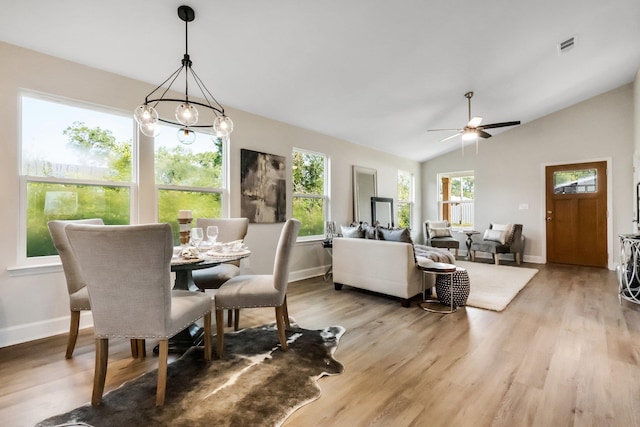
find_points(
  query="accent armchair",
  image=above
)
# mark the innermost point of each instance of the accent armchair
(438, 235)
(501, 239)
(127, 270)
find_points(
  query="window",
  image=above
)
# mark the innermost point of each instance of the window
(310, 192)
(406, 198)
(575, 181)
(79, 161)
(456, 194)
(188, 177)
(76, 162)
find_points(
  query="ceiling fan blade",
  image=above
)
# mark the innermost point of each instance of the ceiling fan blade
(474, 122)
(450, 137)
(499, 125)
(483, 134)
(440, 130)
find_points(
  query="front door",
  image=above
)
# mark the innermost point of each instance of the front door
(576, 214)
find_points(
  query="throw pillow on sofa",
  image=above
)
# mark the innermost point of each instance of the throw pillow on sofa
(351, 231)
(395, 234)
(370, 231)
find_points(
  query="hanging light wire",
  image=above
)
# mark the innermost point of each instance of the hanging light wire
(186, 114)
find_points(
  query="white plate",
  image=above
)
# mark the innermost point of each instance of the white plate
(229, 253)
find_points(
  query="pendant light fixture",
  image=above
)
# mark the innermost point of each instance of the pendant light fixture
(186, 115)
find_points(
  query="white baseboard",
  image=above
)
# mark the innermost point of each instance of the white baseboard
(308, 273)
(38, 330)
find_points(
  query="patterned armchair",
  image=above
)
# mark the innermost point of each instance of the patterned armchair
(501, 239)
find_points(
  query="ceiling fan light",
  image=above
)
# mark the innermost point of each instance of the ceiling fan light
(469, 135)
(186, 114)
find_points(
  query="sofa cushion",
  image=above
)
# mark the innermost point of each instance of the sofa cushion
(352, 231)
(395, 234)
(370, 231)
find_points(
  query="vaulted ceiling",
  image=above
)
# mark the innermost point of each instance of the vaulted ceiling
(373, 72)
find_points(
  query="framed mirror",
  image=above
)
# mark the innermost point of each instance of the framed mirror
(382, 211)
(364, 188)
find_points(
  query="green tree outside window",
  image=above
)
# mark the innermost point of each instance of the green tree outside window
(309, 192)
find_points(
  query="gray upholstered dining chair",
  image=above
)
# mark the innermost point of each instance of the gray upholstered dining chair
(78, 296)
(229, 229)
(264, 290)
(127, 270)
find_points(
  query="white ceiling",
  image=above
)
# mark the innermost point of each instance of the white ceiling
(373, 72)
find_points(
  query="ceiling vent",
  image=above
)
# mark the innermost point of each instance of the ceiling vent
(566, 45)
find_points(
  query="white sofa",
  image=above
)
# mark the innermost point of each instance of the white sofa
(380, 266)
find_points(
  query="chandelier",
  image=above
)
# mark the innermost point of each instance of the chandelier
(186, 116)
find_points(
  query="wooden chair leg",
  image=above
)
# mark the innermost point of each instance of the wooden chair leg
(281, 327)
(286, 313)
(142, 348)
(73, 334)
(219, 332)
(163, 356)
(236, 319)
(207, 336)
(100, 372)
(230, 318)
(518, 258)
(134, 348)
(473, 255)
(496, 259)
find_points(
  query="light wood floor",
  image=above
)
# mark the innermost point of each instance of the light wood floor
(563, 353)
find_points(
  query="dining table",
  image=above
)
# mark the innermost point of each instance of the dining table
(183, 268)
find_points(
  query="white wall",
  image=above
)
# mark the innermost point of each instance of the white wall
(636, 145)
(36, 305)
(509, 169)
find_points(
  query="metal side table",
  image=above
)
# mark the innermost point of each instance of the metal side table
(437, 268)
(328, 246)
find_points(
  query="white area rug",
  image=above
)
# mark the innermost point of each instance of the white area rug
(494, 286)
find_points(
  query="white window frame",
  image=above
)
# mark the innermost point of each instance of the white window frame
(24, 180)
(223, 191)
(326, 197)
(441, 203)
(412, 197)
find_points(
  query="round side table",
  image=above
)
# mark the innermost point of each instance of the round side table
(438, 268)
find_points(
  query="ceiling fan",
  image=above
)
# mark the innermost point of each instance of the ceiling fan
(473, 129)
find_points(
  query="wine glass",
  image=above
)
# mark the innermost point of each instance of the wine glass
(197, 236)
(212, 233)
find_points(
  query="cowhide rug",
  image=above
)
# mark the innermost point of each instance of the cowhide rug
(255, 384)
